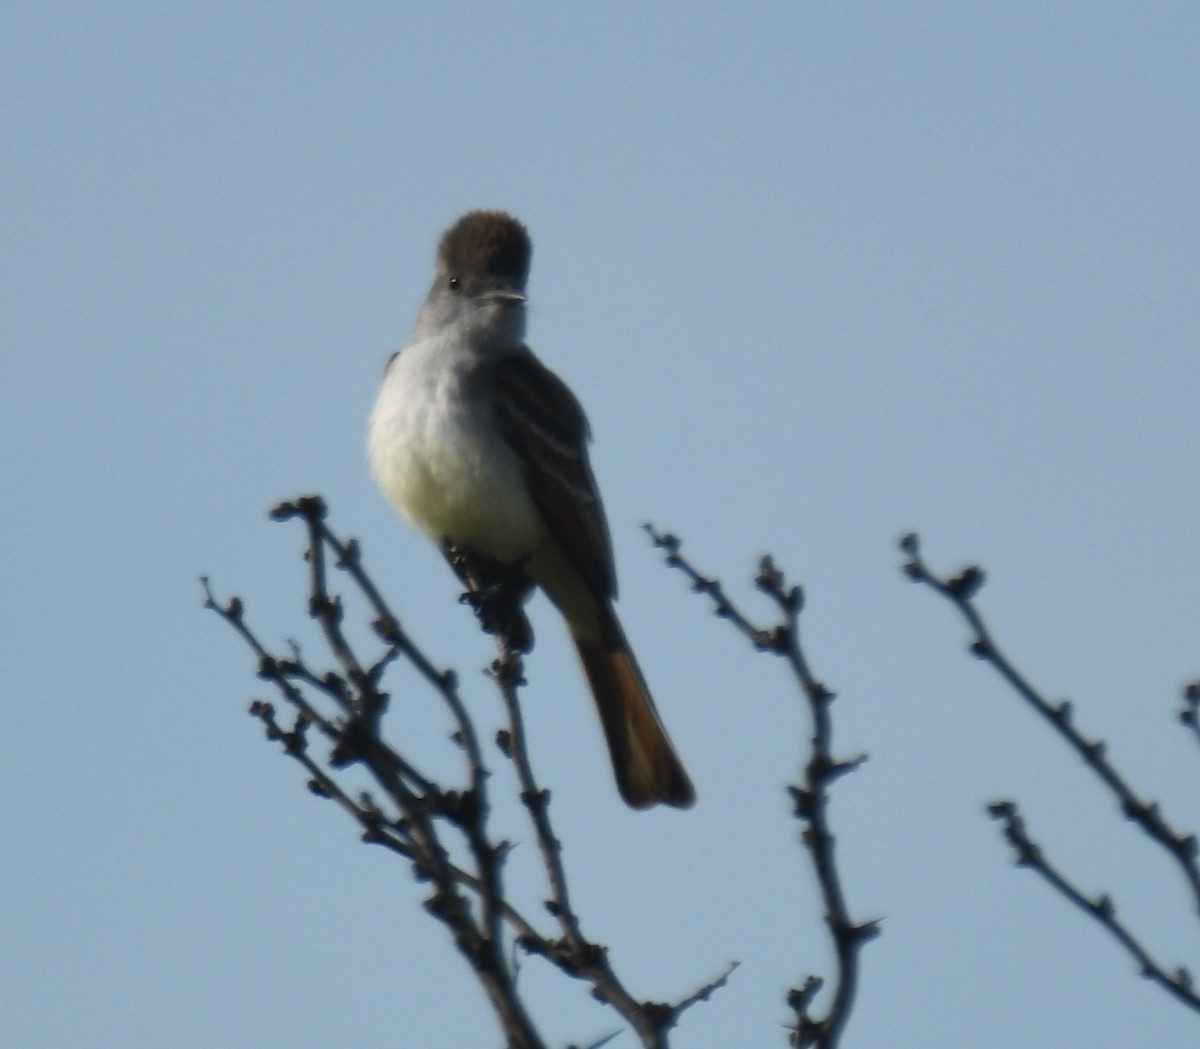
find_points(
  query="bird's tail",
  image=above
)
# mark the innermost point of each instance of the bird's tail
(647, 769)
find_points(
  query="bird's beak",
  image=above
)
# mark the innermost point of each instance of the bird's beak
(506, 298)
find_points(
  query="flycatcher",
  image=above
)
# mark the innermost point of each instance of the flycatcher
(484, 449)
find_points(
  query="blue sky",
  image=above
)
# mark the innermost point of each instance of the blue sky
(821, 274)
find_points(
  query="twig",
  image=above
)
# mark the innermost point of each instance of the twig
(1101, 909)
(960, 591)
(810, 797)
(423, 809)
(572, 952)
(469, 900)
(1190, 714)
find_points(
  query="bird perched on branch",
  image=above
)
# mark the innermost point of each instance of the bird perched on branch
(484, 449)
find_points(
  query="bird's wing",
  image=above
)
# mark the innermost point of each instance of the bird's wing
(546, 427)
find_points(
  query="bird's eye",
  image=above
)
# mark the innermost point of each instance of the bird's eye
(454, 283)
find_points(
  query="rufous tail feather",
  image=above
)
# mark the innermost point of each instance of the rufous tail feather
(647, 769)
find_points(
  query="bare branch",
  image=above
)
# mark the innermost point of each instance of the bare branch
(810, 797)
(960, 591)
(1101, 909)
(347, 707)
(422, 811)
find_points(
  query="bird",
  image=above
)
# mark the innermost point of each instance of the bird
(479, 445)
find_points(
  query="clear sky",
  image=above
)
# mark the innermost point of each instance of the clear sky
(821, 274)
